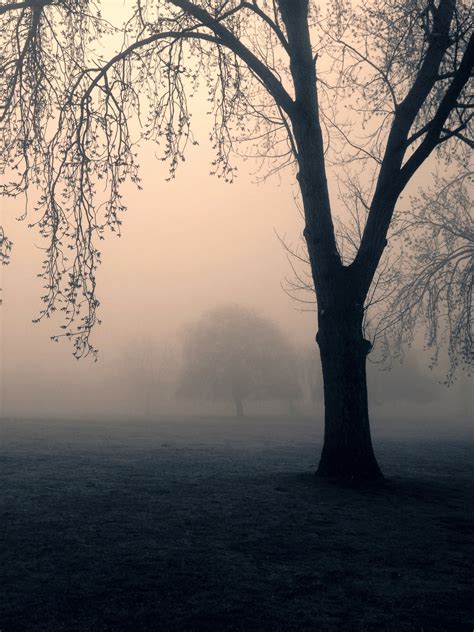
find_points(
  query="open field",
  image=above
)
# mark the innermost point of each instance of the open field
(214, 524)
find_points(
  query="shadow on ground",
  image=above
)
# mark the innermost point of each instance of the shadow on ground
(203, 526)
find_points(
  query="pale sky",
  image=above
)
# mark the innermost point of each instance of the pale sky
(187, 246)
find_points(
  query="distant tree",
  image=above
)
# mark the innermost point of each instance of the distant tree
(233, 354)
(373, 88)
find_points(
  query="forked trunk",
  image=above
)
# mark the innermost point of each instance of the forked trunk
(347, 451)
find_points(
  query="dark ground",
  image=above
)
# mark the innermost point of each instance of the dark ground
(218, 525)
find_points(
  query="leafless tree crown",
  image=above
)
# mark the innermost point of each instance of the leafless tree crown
(386, 83)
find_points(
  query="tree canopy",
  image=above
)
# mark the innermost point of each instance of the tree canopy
(425, 283)
(71, 113)
(368, 92)
(233, 354)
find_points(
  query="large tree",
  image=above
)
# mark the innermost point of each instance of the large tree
(424, 286)
(236, 355)
(277, 73)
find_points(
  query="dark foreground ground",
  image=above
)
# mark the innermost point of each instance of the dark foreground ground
(219, 525)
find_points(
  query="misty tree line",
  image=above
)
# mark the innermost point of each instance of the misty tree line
(232, 351)
(375, 94)
(231, 354)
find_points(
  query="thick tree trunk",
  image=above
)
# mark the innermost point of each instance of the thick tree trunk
(347, 451)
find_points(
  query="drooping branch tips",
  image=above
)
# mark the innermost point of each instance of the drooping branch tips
(69, 115)
(396, 170)
(424, 283)
(5, 248)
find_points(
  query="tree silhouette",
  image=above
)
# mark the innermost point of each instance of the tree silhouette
(436, 268)
(425, 282)
(236, 355)
(277, 73)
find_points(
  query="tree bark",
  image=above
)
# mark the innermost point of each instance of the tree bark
(347, 450)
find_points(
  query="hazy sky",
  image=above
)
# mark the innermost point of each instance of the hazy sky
(187, 245)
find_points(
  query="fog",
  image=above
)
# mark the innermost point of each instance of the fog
(183, 478)
(187, 245)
